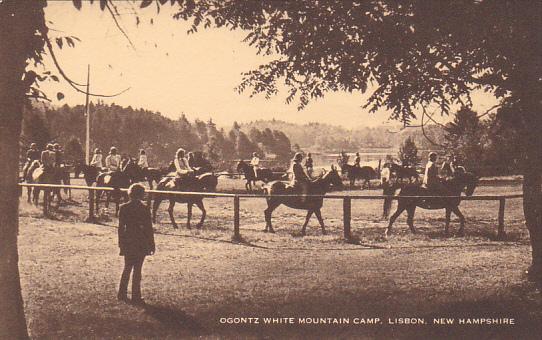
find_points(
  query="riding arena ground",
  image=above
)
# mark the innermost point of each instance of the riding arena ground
(201, 284)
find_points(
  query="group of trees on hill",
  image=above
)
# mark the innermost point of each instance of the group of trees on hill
(132, 129)
(331, 138)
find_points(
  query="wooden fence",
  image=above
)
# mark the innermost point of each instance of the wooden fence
(347, 202)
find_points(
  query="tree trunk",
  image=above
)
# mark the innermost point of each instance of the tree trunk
(19, 22)
(532, 203)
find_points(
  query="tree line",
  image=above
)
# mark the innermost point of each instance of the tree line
(485, 146)
(132, 129)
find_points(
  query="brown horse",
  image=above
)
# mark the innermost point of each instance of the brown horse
(264, 175)
(461, 182)
(312, 204)
(365, 173)
(116, 180)
(203, 183)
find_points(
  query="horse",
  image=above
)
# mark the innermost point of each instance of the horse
(319, 186)
(402, 172)
(153, 175)
(462, 182)
(118, 180)
(90, 172)
(206, 182)
(264, 175)
(37, 174)
(366, 173)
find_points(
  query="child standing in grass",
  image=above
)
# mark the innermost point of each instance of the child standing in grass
(136, 240)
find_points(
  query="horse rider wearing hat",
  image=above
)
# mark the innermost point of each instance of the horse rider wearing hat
(97, 159)
(32, 155)
(357, 160)
(300, 179)
(430, 178)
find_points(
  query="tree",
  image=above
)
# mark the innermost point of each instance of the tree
(74, 150)
(418, 53)
(464, 136)
(408, 153)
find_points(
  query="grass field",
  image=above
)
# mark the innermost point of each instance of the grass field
(70, 269)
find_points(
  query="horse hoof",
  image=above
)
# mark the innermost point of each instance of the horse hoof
(324, 232)
(175, 226)
(460, 233)
(265, 230)
(199, 225)
(272, 231)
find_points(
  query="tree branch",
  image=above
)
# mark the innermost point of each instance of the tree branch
(71, 82)
(114, 16)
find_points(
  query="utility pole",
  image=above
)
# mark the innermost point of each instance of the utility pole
(87, 113)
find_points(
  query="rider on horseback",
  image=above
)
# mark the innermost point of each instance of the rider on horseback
(112, 162)
(309, 164)
(255, 163)
(32, 155)
(97, 161)
(357, 160)
(300, 179)
(447, 169)
(59, 155)
(182, 167)
(48, 158)
(143, 161)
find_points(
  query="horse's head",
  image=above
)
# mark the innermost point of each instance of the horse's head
(468, 180)
(208, 182)
(241, 166)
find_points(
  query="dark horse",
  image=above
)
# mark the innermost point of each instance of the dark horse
(319, 186)
(462, 182)
(203, 183)
(90, 172)
(366, 173)
(402, 172)
(119, 180)
(264, 175)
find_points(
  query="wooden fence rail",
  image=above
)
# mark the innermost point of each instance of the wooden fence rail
(347, 202)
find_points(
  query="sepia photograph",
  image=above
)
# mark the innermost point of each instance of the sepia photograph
(270, 169)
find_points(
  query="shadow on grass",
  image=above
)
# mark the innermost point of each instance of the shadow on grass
(172, 318)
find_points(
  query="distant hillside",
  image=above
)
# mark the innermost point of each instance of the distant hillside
(331, 138)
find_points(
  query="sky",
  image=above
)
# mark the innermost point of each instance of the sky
(173, 72)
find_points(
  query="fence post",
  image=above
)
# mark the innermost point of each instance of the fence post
(500, 231)
(347, 214)
(236, 233)
(91, 205)
(46, 202)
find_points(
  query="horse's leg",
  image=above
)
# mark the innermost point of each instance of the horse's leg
(456, 211)
(271, 205)
(29, 194)
(410, 218)
(170, 211)
(400, 208)
(36, 195)
(447, 227)
(307, 218)
(201, 207)
(320, 220)
(155, 205)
